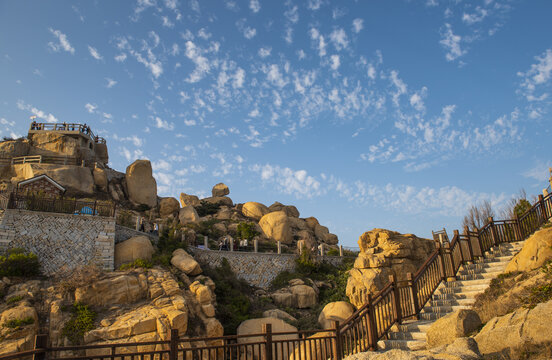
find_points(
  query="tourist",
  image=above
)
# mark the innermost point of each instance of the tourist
(142, 225)
(33, 125)
(156, 228)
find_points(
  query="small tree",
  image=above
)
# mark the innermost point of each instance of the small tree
(478, 215)
(517, 205)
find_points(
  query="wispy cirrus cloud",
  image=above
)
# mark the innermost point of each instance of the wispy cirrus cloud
(62, 42)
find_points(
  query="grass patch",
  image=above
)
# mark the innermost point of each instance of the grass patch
(18, 262)
(538, 294)
(82, 320)
(205, 208)
(14, 299)
(17, 323)
(138, 263)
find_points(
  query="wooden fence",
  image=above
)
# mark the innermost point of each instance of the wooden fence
(361, 332)
(57, 205)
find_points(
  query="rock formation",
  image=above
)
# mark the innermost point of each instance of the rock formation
(142, 188)
(137, 247)
(383, 253)
(536, 251)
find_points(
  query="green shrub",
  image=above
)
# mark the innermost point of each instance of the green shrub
(206, 208)
(538, 294)
(246, 231)
(233, 304)
(162, 259)
(521, 207)
(19, 263)
(17, 323)
(138, 263)
(125, 218)
(14, 299)
(143, 207)
(82, 320)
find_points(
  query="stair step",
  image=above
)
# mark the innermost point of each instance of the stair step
(462, 283)
(445, 309)
(407, 335)
(466, 295)
(495, 271)
(402, 344)
(480, 276)
(452, 302)
(416, 326)
(431, 315)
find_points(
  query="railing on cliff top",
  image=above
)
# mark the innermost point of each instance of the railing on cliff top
(64, 127)
(361, 332)
(57, 205)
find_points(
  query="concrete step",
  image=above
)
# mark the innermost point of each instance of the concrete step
(402, 344)
(452, 302)
(466, 295)
(464, 289)
(463, 283)
(494, 271)
(415, 326)
(431, 316)
(480, 276)
(440, 309)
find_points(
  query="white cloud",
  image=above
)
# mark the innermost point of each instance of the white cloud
(163, 124)
(167, 22)
(94, 53)
(476, 17)
(292, 14)
(315, 35)
(358, 24)
(121, 57)
(63, 42)
(91, 108)
(265, 51)
(314, 4)
(38, 113)
(202, 64)
(274, 75)
(335, 62)
(288, 181)
(538, 75)
(339, 38)
(239, 78)
(161, 165)
(249, 32)
(539, 172)
(451, 43)
(110, 83)
(254, 6)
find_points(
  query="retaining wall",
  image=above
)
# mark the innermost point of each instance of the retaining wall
(60, 240)
(258, 269)
(123, 233)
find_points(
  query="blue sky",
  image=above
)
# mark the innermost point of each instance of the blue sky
(393, 114)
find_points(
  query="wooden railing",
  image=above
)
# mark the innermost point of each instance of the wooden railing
(57, 205)
(73, 127)
(43, 159)
(361, 332)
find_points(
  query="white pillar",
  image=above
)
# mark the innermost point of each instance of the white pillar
(231, 244)
(340, 250)
(138, 223)
(206, 242)
(279, 247)
(256, 245)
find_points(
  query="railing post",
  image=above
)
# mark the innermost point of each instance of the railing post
(413, 293)
(517, 228)
(255, 245)
(11, 201)
(41, 342)
(337, 352)
(493, 231)
(94, 210)
(372, 328)
(448, 254)
(439, 248)
(173, 354)
(457, 236)
(279, 247)
(397, 297)
(341, 250)
(470, 249)
(267, 330)
(543, 210)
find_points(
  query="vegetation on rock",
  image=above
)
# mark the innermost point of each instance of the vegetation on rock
(138, 263)
(246, 231)
(18, 262)
(17, 323)
(206, 208)
(82, 320)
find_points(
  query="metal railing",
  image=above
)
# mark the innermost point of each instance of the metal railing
(64, 127)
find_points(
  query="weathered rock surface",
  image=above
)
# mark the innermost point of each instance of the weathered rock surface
(290, 210)
(335, 311)
(383, 253)
(142, 188)
(185, 262)
(75, 179)
(223, 200)
(297, 295)
(187, 215)
(220, 189)
(452, 326)
(137, 247)
(120, 289)
(514, 329)
(254, 210)
(276, 226)
(279, 314)
(255, 326)
(168, 206)
(100, 179)
(14, 148)
(536, 251)
(188, 200)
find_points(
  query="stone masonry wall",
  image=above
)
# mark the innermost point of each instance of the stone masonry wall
(60, 240)
(258, 269)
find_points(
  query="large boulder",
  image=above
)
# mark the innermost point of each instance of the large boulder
(452, 326)
(168, 206)
(305, 296)
(56, 144)
(222, 200)
(220, 189)
(142, 188)
(383, 253)
(279, 314)
(100, 179)
(255, 326)
(513, 330)
(189, 200)
(335, 311)
(14, 148)
(311, 222)
(536, 251)
(290, 210)
(188, 214)
(137, 247)
(254, 210)
(21, 312)
(76, 179)
(119, 289)
(185, 262)
(276, 226)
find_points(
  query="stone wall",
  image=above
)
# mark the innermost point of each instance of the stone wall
(123, 233)
(60, 240)
(258, 269)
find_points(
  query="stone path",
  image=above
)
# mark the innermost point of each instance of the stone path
(472, 280)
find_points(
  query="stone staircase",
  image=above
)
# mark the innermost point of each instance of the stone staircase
(471, 280)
